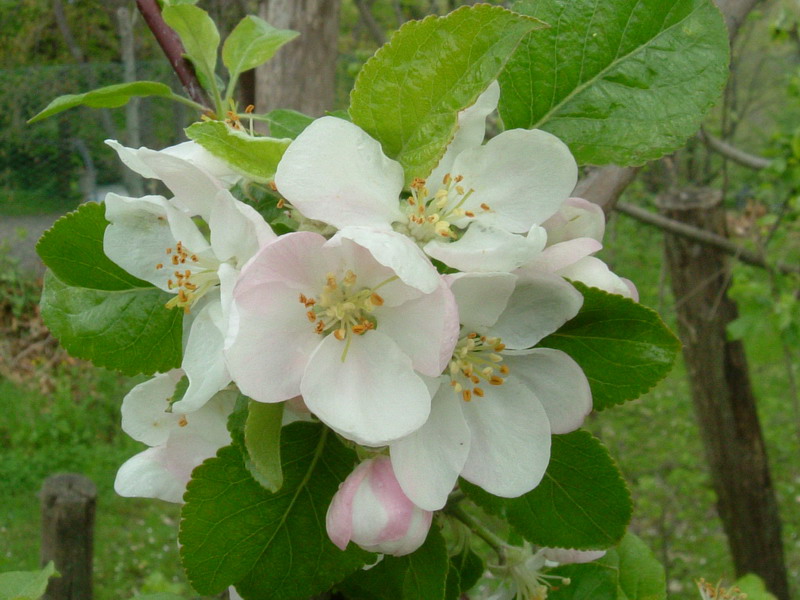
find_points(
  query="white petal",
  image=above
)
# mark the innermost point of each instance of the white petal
(562, 254)
(481, 297)
(595, 273)
(510, 446)
(425, 328)
(130, 158)
(295, 260)
(203, 360)
(427, 463)
(335, 173)
(144, 409)
(540, 304)
(559, 384)
(237, 229)
(470, 134)
(563, 556)
(269, 343)
(524, 176)
(195, 154)
(578, 218)
(395, 252)
(486, 248)
(372, 396)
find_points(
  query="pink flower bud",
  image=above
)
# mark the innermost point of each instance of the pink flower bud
(371, 509)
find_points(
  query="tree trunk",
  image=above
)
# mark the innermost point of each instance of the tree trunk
(302, 75)
(722, 393)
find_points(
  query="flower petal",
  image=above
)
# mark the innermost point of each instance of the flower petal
(595, 273)
(144, 409)
(540, 304)
(558, 382)
(486, 248)
(470, 133)
(561, 255)
(427, 463)
(578, 218)
(335, 173)
(481, 297)
(371, 395)
(524, 176)
(237, 229)
(510, 446)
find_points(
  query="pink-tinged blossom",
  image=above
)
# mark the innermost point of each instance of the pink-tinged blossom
(479, 210)
(495, 408)
(573, 235)
(371, 510)
(178, 441)
(349, 323)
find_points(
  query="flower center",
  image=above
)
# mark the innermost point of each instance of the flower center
(475, 360)
(342, 308)
(193, 277)
(429, 217)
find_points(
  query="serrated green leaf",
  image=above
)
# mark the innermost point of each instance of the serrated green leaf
(641, 576)
(408, 95)
(111, 96)
(128, 330)
(619, 81)
(624, 348)
(752, 585)
(73, 250)
(582, 501)
(470, 569)
(420, 575)
(453, 584)
(254, 157)
(262, 439)
(26, 585)
(285, 123)
(272, 546)
(597, 580)
(199, 37)
(251, 43)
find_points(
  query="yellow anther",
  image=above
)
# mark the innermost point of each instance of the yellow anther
(311, 316)
(478, 392)
(504, 369)
(339, 334)
(376, 299)
(496, 380)
(160, 266)
(485, 206)
(446, 179)
(183, 421)
(459, 190)
(466, 395)
(469, 213)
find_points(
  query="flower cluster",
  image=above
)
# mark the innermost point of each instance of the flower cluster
(410, 329)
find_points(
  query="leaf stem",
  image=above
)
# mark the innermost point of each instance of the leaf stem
(496, 543)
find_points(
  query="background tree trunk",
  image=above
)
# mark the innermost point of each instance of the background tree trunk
(722, 393)
(302, 76)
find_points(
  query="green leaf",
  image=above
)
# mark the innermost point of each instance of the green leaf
(272, 546)
(623, 347)
(581, 502)
(159, 596)
(199, 37)
(641, 576)
(420, 575)
(26, 585)
(285, 123)
(128, 330)
(73, 250)
(752, 585)
(619, 81)
(262, 438)
(597, 580)
(251, 43)
(254, 157)
(408, 95)
(111, 96)
(469, 567)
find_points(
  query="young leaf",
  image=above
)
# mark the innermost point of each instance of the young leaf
(199, 37)
(254, 157)
(408, 95)
(251, 43)
(111, 96)
(619, 81)
(285, 123)
(262, 439)
(641, 576)
(272, 546)
(128, 330)
(26, 585)
(97, 310)
(624, 348)
(73, 250)
(420, 575)
(581, 503)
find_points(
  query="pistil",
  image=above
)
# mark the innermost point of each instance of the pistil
(476, 359)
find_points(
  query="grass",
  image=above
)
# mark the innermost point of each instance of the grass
(18, 202)
(73, 425)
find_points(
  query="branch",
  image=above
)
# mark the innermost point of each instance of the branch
(703, 237)
(370, 22)
(173, 49)
(603, 186)
(735, 13)
(740, 157)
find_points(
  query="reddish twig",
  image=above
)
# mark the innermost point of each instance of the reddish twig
(173, 49)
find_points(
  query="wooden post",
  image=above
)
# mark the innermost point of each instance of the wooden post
(68, 505)
(722, 394)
